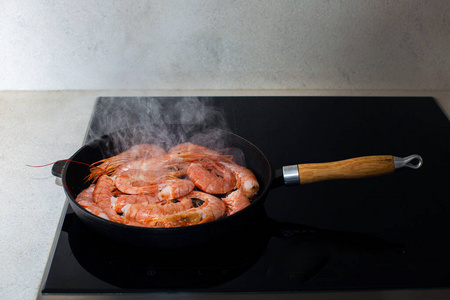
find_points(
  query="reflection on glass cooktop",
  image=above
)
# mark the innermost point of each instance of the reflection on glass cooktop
(262, 252)
(372, 234)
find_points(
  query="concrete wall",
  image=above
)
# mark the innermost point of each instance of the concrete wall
(256, 44)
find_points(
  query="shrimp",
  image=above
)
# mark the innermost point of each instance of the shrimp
(122, 202)
(109, 165)
(145, 186)
(142, 212)
(245, 179)
(192, 153)
(86, 200)
(136, 182)
(103, 194)
(174, 188)
(212, 178)
(235, 201)
(212, 208)
(166, 187)
(168, 164)
(192, 148)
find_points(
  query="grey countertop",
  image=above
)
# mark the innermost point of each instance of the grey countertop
(38, 128)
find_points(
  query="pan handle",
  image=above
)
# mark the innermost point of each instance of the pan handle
(359, 167)
(58, 168)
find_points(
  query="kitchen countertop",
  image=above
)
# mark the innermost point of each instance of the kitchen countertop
(38, 128)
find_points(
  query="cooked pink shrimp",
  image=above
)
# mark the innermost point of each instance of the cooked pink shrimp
(174, 188)
(108, 165)
(193, 153)
(164, 165)
(142, 212)
(136, 182)
(167, 187)
(245, 179)
(211, 209)
(211, 177)
(121, 203)
(86, 200)
(158, 191)
(192, 148)
(235, 201)
(103, 193)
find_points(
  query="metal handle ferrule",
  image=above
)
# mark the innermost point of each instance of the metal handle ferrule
(290, 175)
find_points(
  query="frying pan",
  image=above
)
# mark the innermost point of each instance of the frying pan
(74, 171)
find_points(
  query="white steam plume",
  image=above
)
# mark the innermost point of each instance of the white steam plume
(162, 121)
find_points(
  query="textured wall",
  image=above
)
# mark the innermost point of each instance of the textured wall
(316, 44)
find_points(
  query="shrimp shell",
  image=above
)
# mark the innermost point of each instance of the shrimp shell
(103, 193)
(86, 200)
(109, 165)
(245, 179)
(235, 201)
(120, 203)
(136, 182)
(212, 209)
(192, 148)
(212, 178)
(168, 164)
(142, 212)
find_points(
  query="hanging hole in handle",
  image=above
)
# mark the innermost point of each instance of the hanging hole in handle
(413, 161)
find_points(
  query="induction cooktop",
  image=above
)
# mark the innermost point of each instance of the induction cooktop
(373, 236)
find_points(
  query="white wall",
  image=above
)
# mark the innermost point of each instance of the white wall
(260, 44)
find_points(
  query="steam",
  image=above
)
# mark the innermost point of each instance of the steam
(163, 121)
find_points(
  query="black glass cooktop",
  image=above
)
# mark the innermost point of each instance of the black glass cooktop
(374, 234)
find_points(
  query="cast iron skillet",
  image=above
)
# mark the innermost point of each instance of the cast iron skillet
(74, 171)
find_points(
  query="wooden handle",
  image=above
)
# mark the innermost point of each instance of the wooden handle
(360, 167)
